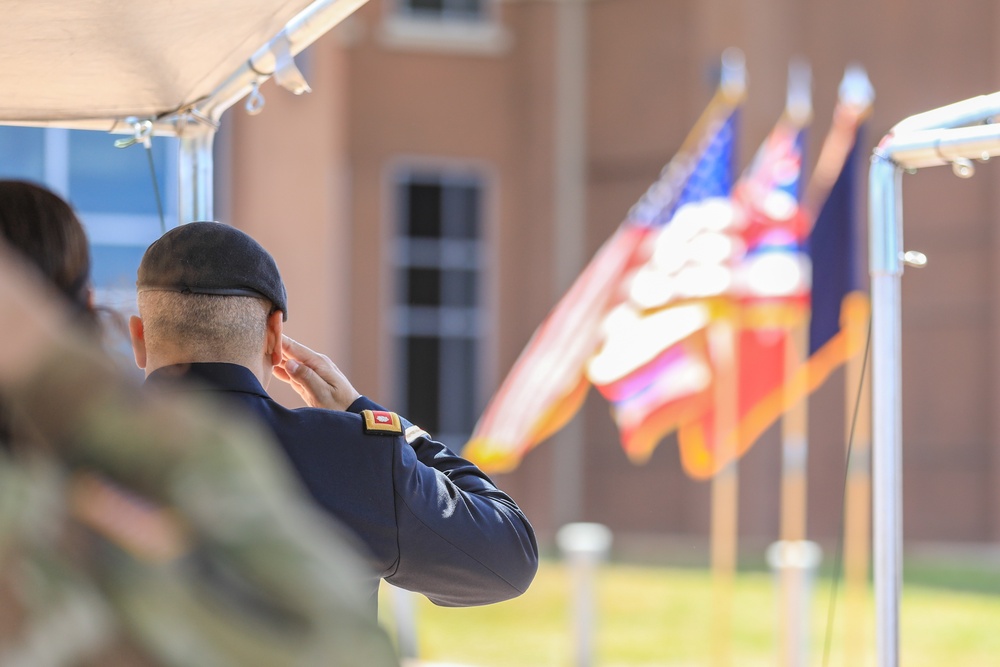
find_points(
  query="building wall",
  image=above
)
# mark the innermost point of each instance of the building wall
(309, 179)
(288, 178)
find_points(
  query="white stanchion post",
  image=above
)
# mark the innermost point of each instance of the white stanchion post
(584, 546)
(404, 613)
(794, 563)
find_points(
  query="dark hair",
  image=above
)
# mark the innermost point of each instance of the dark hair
(44, 228)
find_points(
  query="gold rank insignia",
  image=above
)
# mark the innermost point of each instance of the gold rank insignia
(382, 422)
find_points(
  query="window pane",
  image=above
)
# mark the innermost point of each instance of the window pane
(444, 9)
(422, 377)
(460, 288)
(106, 179)
(425, 5)
(462, 217)
(424, 210)
(439, 266)
(466, 8)
(22, 153)
(458, 380)
(423, 287)
(114, 266)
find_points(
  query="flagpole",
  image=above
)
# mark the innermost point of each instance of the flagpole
(724, 348)
(795, 421)
(725, 487)
(793, 559)
(857, 95)
(857, 504)
(833, 229)
(794, 444)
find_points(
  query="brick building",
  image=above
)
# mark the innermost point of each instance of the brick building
(460, 160)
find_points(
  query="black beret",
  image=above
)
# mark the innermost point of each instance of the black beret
(212, 258)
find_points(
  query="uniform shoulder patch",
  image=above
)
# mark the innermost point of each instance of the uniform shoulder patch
(382, 422)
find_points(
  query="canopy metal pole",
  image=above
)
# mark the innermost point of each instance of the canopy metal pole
(885, 229)
(309, 25)
(929, 139)
(196, 128)
(195, 181)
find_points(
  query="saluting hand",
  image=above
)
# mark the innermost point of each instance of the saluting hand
(314, 377)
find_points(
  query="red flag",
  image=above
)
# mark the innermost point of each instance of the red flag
(838, 308)
(547, 385)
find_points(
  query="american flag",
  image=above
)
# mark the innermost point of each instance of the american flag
(654, 366)
(547, 383)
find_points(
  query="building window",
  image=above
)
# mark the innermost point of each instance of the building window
(438, 305)
(22, 150)
(454, 26)
(111, 190)
(445, 10)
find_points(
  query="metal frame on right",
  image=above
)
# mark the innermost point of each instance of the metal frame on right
(958, 135)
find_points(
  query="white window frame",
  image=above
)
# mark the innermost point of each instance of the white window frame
(446, 32)
(110, 229)
(467, 322)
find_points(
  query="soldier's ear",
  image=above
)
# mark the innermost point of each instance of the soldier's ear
(138, 336)
(272, 344)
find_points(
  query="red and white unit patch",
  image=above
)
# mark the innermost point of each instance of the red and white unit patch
(382, 422)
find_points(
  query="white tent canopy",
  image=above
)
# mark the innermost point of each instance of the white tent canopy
(170, 67)
(93, 63)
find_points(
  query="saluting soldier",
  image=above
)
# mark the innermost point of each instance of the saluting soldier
(211, 311)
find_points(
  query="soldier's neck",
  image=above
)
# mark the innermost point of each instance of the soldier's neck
(259, 367)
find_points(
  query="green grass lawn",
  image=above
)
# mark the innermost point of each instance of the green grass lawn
(660, 616)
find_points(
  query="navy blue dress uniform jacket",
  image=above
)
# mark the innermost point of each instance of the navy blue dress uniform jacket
(433, 522)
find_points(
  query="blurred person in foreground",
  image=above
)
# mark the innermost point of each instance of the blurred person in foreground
(139, 529)
(211, 311)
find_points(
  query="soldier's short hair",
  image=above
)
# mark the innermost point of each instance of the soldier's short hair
(208, 327)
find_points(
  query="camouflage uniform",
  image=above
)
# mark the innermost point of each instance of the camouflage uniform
(139, 530)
